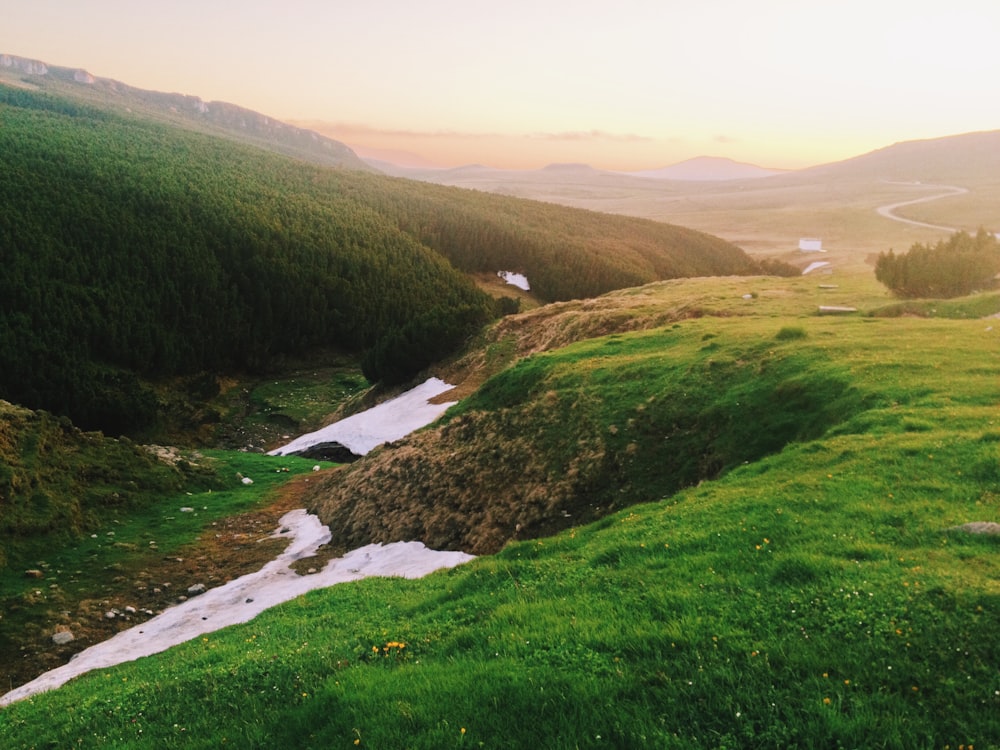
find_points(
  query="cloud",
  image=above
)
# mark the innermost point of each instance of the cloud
(507, 150)
(593, 135)
(725, 139)
(348, 130)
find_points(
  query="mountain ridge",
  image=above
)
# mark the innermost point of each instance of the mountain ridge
(246, 124)
(927, 159)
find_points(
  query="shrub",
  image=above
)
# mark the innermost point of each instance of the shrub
(790, 333)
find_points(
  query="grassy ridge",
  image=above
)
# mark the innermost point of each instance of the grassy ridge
(574, 434)
(816, 597)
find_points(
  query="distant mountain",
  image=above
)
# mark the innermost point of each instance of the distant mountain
(708, 168)
(571, 169)
(951, 158)
(956, 158)
(181, 109)
(443, 175)
(699, 169)
(452, 175)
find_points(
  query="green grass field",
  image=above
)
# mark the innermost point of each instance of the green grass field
(817, 596)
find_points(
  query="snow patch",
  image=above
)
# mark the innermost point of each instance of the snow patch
(515, 279)
(813, 266)
(389, 421)
(246, 597)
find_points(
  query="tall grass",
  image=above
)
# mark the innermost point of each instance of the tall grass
(815, 597)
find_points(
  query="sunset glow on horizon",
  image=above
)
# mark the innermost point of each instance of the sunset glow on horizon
(638, 84)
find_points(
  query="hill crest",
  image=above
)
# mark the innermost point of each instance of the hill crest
(239, 122)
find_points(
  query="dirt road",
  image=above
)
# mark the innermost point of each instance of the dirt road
(889, 210)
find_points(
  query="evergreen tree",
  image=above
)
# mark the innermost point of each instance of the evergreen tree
(954, 267)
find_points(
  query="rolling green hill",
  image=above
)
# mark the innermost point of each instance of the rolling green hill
(713, 518)
(818, 581)
(574, 432)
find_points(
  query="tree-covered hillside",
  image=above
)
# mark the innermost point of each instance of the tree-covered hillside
(133, 249)
(181, 110)
(566, 253)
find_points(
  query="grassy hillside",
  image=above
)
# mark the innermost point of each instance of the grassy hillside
(57, 482)
(135, 249)
(825, 593)
(575, 433)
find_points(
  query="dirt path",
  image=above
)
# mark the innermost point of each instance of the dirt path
(889, 211)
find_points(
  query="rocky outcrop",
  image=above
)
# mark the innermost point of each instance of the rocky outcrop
(24, 65)
(473, 485)
(979, 527)
(330, 451)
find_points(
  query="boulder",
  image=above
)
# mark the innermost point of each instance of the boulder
(329, 451)
(978, 527)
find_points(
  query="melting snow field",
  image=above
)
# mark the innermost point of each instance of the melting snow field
(813, 266)
(384, 423)
(246, 597)
(515, 279)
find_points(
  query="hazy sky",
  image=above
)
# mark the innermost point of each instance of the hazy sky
(628, 84)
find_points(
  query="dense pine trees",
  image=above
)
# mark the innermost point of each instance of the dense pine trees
(133, 250)
(951, 268)
(566, 253)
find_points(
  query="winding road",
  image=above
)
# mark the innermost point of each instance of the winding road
(889, 210)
